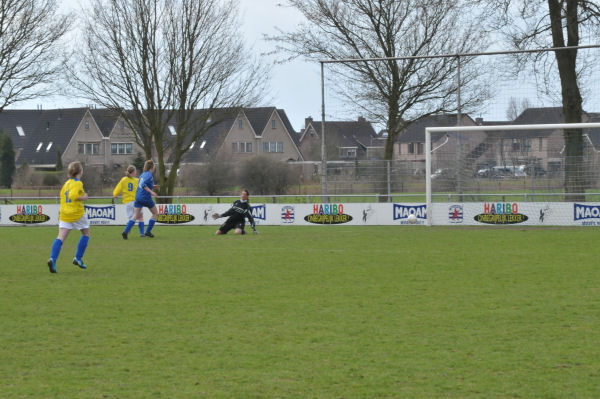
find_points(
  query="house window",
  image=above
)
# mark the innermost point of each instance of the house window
(172, 130)
(49, 146)
(348, 152)
(411, 148)
(238, 147)
(121, 148)
(87, 125)
(273, 124)
(20, 131)
(420, 148)
(516, 145)
(540, 142)
(241, 124)
(273, 146)
(88, 148)
(39, 147)
(122, 124)
(203, 144)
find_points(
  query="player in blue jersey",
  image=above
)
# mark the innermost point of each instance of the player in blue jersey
(143, 198)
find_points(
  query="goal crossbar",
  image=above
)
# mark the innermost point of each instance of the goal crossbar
(442, 129)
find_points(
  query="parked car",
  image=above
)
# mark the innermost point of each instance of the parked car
(501, 172)
(535, 170)
(485, 172)
(444, 172)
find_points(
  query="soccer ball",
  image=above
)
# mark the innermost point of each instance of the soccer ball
(412, 219)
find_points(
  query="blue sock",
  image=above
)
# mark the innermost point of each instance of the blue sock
(56, 246)
(129, 226)
(83, 242)
(141, 226)
(150, 225)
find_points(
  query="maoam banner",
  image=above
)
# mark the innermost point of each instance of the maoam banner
(331, 214)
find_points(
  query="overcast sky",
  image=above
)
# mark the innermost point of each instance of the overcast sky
(295, 86)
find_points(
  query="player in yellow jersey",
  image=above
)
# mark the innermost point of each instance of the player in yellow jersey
(71, 216)
(128, 187)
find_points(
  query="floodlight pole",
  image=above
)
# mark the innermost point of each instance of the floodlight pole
(323, 149)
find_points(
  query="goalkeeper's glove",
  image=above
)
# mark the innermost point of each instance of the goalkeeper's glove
(215, 215)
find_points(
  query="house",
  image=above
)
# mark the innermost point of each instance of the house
(409, 145)
(542, 147)
(345, 140)
(241, 133)
(38, 134)
(97, 137)
(101, 137)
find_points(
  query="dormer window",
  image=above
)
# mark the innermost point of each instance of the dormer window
(39, 147)
(49, 146)
(20, 131)
(172, 130)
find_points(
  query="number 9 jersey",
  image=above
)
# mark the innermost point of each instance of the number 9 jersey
(127, 186)
(71, 209)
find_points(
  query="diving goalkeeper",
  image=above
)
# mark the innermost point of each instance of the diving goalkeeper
(237, 215)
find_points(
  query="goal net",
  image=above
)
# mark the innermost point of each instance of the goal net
(512, 175)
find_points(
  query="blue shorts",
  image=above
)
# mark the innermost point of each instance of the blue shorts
(149, 203)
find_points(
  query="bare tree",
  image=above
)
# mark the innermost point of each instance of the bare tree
(515, 109)
(392, 92)
(556, 23)
(167, 65)
(30, 41)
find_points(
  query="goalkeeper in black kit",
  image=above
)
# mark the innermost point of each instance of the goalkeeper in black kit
(237, 215)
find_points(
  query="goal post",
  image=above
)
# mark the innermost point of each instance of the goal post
(510, 161)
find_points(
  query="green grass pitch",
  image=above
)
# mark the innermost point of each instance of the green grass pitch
(303, 312)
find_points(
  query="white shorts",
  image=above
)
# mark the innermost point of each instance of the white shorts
(80, 224)
(129, 209)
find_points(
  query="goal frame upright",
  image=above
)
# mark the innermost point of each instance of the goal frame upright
(467, 129)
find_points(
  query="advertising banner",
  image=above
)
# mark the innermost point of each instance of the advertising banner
(328, 214)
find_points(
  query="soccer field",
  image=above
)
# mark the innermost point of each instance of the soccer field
(303, 312)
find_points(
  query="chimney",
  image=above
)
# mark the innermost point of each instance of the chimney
(479, 121)
(361, 119)
(308, 121)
